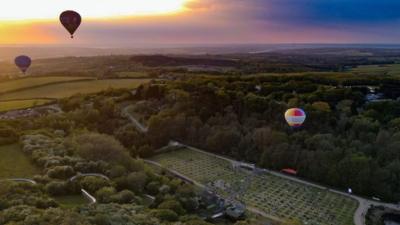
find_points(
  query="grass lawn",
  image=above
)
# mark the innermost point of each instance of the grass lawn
(277, 197)
(132, 74)
(21, 104)
(63, 90)
(71, 201)
(15, 164)
(28, 82)
(391, 69)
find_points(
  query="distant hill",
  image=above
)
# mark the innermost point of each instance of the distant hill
(7, 53)
(160, 60)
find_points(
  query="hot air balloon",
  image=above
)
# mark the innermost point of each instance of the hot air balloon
(71, 20)
(23, 62)
(295, 117)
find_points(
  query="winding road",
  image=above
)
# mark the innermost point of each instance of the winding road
(21, 180)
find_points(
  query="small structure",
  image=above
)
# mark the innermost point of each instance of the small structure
(350, 191)
(289, 171)
(212, 202)
(247, 166)
(175, 144)
(236, 211)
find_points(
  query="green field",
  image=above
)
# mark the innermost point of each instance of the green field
(63, 90)
(29, 82)
(15, 164)
(132, 74)
(21, 104)
(391, 69)
(71, 201)
(277, 197)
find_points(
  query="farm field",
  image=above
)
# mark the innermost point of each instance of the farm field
(21, 104)
(63, 90)
(275, 196)
(30, 82)
(391, 69)
(15, 164)
(133, 74)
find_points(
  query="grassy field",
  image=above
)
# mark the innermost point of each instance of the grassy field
(392, 69)
(21, 104)
(62, 90)
(34, 81)
(15, 164)
(71, 201)
(132, 74)
(275, 196)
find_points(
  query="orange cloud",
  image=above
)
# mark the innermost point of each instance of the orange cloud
(25, 33)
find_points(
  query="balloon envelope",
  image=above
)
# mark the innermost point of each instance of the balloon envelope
(23, 62)
(71, 20)
(295, 117)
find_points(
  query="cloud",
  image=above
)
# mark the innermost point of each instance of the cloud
(247, 21)
(327, 11)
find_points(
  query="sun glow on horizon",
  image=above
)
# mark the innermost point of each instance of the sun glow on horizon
(19, 10)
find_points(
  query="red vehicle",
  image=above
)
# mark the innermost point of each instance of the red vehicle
(289, 171)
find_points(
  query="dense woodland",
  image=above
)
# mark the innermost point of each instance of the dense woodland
(346, 141)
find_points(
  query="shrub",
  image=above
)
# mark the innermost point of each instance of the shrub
(105, 194)
(165, 214)
(100, 147)
(136, 181)
(124, 197)
(61, 172)
(56, 188)
(93, 184)
(172, 205)
(153, 187)
(116, 171)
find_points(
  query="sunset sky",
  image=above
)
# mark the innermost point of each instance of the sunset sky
(139, 23)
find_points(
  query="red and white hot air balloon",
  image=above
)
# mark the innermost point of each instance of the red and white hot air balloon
(295, 117)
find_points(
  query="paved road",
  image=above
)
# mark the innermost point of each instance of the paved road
(134, 121)
(363, 203)
(21, 180)
(92, 199)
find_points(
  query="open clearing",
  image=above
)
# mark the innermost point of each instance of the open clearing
(30, 82)
(275, 196)
(21, 104)
(63, 90)
(71, 201)
(15, 164)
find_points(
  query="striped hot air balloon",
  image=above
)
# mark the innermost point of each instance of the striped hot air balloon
(295, 117)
